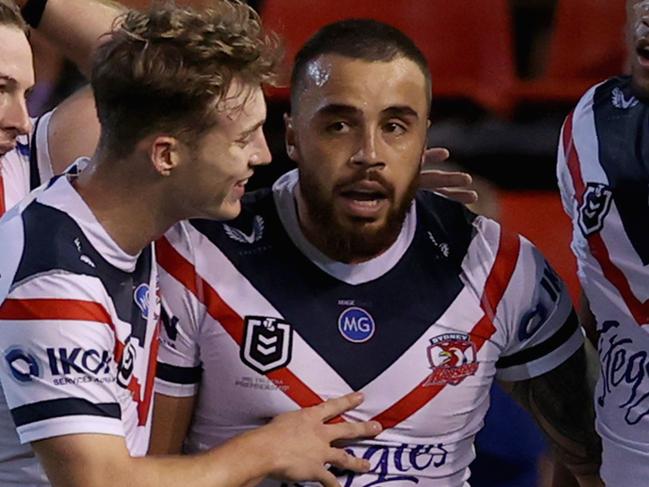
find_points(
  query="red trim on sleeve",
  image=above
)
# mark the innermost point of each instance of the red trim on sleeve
(54, 309)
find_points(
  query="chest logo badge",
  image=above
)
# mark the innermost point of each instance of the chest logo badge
(240, 236)
(356, 325)
(622, 102)
(595, 207)
(267, 343)
(452, 358)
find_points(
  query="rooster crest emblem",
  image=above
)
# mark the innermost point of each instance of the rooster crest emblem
(452, 358)
(240, 236)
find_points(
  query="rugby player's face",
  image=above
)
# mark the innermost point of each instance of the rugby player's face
(226, 156)
(638, 38)
(16, 79)
(357, 134)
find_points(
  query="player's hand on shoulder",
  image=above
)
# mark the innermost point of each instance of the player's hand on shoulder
(452, 184)
(302, 441)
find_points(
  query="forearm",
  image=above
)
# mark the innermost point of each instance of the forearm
(561, 401)
(75, 27)
(231, 465)
(101, 461)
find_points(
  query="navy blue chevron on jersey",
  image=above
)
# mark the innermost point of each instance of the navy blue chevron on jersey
(79, 331)
(603, 171)
(264, 323)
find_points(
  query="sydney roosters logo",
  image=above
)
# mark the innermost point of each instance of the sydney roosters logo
(452, 358)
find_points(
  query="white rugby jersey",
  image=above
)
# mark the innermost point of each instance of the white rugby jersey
(273, 324)
(79, 331)
(603, 171)
(27, 166)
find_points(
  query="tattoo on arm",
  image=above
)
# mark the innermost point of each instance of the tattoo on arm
(561, 402)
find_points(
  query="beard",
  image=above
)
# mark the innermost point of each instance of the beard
(349, 239)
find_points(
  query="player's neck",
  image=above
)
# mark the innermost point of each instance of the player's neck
(127, 206)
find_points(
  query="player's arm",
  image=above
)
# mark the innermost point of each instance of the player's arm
(171, 419)
(294, 446)
(76, 28)
(561, 402)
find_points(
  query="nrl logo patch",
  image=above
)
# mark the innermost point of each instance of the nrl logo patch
(597, 203)
(242, 237)
(452, 358)
(267, 343)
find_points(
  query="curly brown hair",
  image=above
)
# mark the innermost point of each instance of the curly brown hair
(10, 15)
(166, 70)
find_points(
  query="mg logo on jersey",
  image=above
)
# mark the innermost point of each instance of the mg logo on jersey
(266, 343)
(452, 358)
(356, 325)
(242, 237)
(22, 364)
(597, 203)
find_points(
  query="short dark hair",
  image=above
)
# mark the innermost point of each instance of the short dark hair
(365, 39)
(167, 69)
(10, 15)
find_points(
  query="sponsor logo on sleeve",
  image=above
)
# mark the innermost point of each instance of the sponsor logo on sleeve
(141, 299)
(267, 343)
(23, 365)
(452, 358)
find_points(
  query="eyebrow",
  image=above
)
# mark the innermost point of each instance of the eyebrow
(402, 111)
(247, 132)
(338, 109)
(13, 82)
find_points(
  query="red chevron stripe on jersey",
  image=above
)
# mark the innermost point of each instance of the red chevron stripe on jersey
(497, 281)
(496, 284)
(179, 267)
(639, 309)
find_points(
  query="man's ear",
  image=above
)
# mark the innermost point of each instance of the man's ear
(165, 154)
(290, 138)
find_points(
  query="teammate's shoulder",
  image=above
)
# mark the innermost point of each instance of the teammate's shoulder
(444, 209)
(612, 94)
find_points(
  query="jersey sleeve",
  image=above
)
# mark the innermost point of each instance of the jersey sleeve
(58, 369)
(40, 148)
(179, 365)
(540, 326)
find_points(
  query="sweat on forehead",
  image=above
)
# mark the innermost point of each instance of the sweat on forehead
(362, 39)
